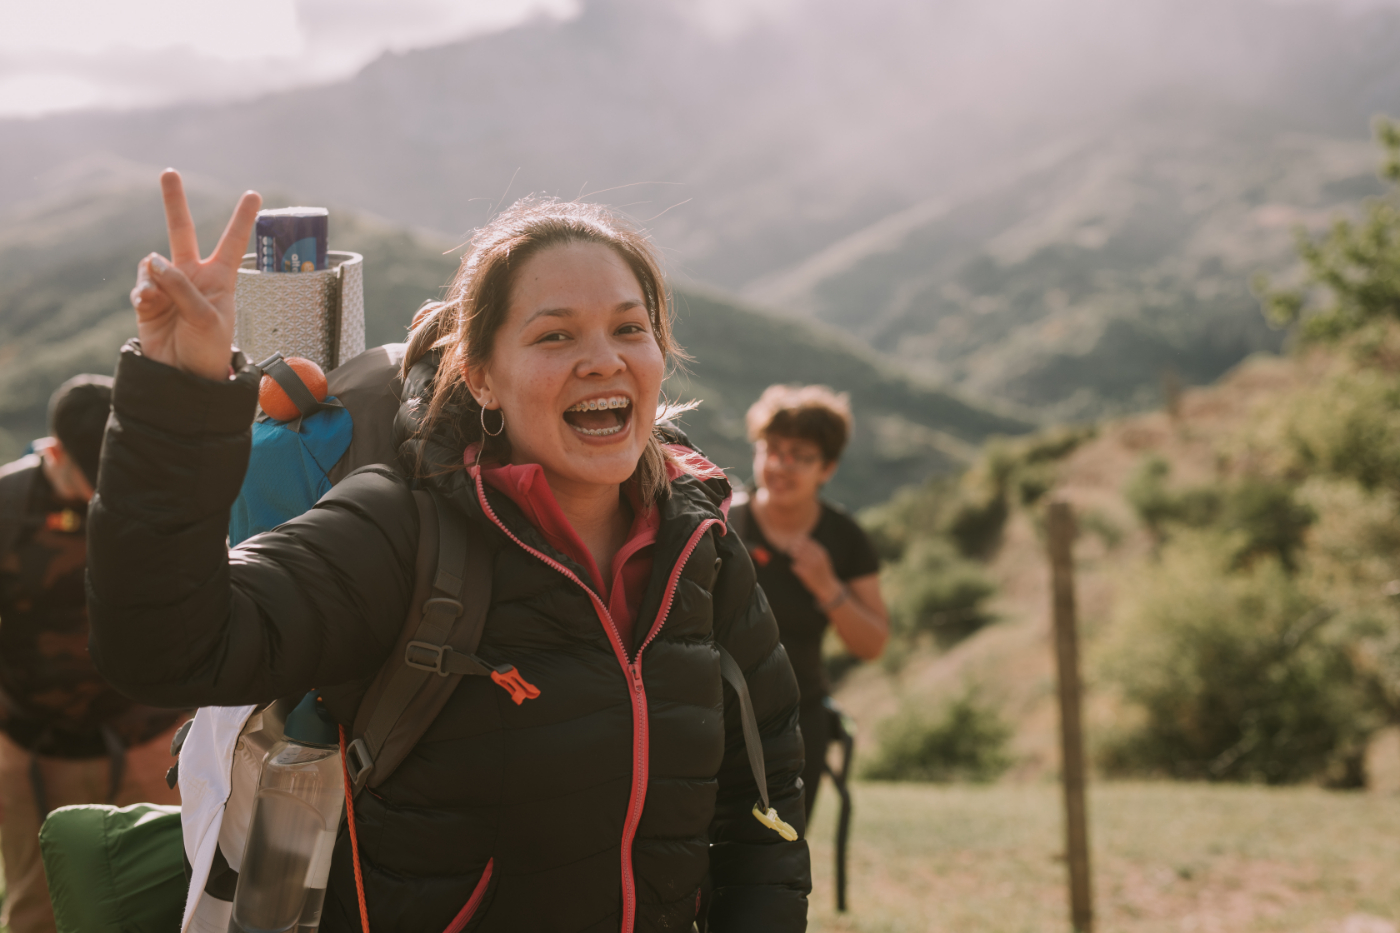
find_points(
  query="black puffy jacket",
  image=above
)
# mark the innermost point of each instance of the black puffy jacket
(600, 805)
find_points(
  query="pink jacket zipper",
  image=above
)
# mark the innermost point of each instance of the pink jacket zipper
(473, 903)
(641, 735)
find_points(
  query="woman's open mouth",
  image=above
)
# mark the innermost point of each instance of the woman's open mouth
(600, 417)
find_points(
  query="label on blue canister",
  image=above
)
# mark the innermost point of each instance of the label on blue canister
(300, 256)
(291, 239)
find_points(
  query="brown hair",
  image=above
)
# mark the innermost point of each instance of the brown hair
(463, 327)
(809, 413)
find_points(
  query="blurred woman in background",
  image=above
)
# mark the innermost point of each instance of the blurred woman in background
(816, 565)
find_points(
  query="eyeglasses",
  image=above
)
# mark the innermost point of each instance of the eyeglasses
(788, 458)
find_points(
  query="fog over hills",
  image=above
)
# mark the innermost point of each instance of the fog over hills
(1045, 202)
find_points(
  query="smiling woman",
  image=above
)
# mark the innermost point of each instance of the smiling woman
(605, 798)
(558, 323)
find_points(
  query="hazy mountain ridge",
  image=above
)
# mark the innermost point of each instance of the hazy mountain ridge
(1087, 168)
(1071, 287)
(66, 266)
(904, 430)
(806, 128)
(68, 263)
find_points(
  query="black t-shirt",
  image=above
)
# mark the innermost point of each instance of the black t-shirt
(800, 623)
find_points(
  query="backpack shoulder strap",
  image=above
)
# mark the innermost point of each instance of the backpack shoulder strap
(753, 744)
(436, 647)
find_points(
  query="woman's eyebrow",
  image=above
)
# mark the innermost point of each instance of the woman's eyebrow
(569, 313)
(625, 306)
(550, 312)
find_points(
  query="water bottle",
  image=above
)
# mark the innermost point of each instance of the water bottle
(282, 880)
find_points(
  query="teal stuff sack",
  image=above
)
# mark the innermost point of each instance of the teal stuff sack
(287, 469)
(115, 870)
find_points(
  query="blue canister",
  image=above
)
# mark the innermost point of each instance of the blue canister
(292, 239)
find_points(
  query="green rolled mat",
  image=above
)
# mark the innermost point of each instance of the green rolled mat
(115, 870)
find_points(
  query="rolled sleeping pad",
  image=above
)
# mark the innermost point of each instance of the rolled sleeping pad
(115, 869)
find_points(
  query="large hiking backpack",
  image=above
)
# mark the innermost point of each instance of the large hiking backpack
(291, 465)
(222, 749)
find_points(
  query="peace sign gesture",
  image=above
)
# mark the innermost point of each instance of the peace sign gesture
(184, 305)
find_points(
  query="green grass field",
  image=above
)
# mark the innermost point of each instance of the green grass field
(1185, 858)
(1166, 857)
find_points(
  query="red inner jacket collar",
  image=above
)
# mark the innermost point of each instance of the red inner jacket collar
(525, 485)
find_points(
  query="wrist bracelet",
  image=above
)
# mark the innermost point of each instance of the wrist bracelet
(841, 596)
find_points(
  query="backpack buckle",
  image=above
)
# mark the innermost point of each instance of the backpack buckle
(518, 687)
(774, 822)
(358, 763)
(427, 657)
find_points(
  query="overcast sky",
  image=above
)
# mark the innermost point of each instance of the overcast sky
(66, 54)
(70, 54)
(60, 55)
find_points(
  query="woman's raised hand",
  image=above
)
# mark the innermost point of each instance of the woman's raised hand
(184, 305)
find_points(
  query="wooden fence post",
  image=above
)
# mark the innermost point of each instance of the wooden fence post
(1060, 531)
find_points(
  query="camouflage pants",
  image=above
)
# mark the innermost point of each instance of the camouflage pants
(66, 781)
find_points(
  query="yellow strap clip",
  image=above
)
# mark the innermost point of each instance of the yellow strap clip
(774, 822)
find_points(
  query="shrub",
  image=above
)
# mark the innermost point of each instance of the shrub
(1237, 674)
(1350, 426)
(1057, 443)
(1270, 521)
(1352, 556)
(1357, 266)
(1033, 482)
(966, 741)
(1025, 467)
(976, 523)
(1095, 522)
(933, 590)
(1158, 506)
(911, 513)
(1263, 513)
(972, 512)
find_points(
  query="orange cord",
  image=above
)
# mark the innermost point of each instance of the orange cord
(354, 837)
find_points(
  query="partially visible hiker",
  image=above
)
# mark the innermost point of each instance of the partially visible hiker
(66, 736)
(595, 785)
(814, 563)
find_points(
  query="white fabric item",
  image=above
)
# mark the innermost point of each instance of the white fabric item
(211, 915)
(262, 731)
(206, 779)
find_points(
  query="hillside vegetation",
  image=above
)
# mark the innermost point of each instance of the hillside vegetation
(904, 430)
(68, 263)
(1237, 559)
(1041, 234)
(66, 267)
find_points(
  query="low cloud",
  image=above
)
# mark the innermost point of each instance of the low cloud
(151, 56)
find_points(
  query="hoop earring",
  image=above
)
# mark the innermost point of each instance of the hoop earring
(499, 431)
